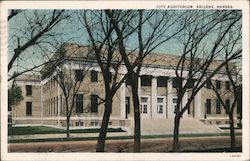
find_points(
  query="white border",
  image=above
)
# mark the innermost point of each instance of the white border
(244, 5)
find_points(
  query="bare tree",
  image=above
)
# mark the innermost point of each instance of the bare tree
(234, 83)
(198, 64)
(104, 45)
(68, 80)
(13, 13)
(34, 35)
(160, 26)
(233, 72)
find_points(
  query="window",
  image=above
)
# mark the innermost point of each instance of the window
(227, 106)
(144, 105)
(28, 90)
(177, 82)
(217, 122)
(227, 85)
(28, 108)
(127, 106)
(162, 81)
(175, 100)
(94, 123)
(54, 81)
(79, 123)
(144, 99)
(190, 83)
(208, 106)
(128, 82)
(94, 76)
(79, 103)
(218, 110)
(160, 104)
(209, 84)
(110, 77)
(51, 106)
(57, 105)
(189, 111)
(218, 84)
(94, 103)
(146, 80)
(79, 75)
(61, 104)
(54, 105)
(145, 109)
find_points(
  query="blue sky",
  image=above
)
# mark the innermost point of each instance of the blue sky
(73, 31)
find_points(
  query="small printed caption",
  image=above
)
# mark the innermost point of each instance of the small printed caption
(162, 6)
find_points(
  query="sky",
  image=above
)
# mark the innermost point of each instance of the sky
(73, 31)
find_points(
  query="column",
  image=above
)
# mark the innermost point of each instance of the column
(139, 88)
(58, 105)
(170, 107)
(184, 102)
(139, 91)
(153, 112)
(42, 104)
(198, 105)
(123, 101)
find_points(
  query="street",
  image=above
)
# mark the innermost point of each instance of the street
(202, 144)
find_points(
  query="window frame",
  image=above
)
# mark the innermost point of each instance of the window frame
(227, 85)
(94, 76)
(209, 84)
(162, 81)
(208, 106)
(146, 80)
(28, 90)
(79, 109)
(190, 83)
(127, 106)
(78, 75)
(28, 108)
(218, 106)
(176, 82)
(218, 84)
(147, 103)
(160, 104)
(228, 104)
(94, 103)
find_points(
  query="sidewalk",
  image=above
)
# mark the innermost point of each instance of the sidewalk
(72, 135)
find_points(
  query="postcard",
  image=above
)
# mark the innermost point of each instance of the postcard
(125, 80)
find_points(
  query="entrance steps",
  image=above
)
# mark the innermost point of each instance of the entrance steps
(158, 126)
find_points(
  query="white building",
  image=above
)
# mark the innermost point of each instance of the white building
(156, 90)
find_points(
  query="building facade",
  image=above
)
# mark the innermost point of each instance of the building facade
(28, 111)
(45, 102)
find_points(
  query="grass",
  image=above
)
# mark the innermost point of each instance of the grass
(30, 130)
(228, 128)
(118, 137)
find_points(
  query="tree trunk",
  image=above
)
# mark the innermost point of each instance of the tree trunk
(176, 146)
(104, 127)
(67, 124)
(232, 131)
(137, 119)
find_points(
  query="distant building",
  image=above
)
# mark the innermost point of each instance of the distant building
(44, 102)
(28, 111)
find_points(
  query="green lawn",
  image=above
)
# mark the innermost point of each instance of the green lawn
(29, 130)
